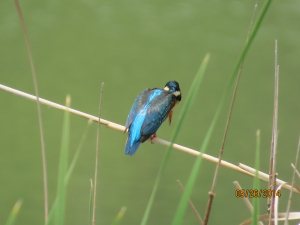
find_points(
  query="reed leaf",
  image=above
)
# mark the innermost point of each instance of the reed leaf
(192, 179)
(186, 106)
(62, 170)
(70, 170)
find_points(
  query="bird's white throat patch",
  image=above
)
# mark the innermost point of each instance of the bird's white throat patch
(176, 93)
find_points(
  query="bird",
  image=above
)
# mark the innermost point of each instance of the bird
(149, 110)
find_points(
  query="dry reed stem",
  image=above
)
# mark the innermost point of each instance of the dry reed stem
(265, 177)
(245, 199)
(96, 161)
(38, 109)
(293, 181)
(272, 167)
(121, 128)
(192, 205)
(214, 183)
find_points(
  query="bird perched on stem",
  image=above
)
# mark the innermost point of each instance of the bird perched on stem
(149, 110)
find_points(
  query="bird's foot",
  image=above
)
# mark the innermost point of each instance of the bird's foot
(152, 137)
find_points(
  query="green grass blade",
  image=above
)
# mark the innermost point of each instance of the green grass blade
(14, 212)
(78, 150)
(70, 170)
(91, 202)
(255, 201)
(62, 170)
(250, 40)
(52, 213)
(119, 216)
(187, 104)
(191, 181)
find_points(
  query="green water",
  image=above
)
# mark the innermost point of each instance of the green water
(132, 45)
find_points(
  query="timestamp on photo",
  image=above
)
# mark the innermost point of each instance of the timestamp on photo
(255, 193)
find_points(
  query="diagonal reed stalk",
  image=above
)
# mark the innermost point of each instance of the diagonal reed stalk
(192, 179)
(38, 109)
(14, 212)
(214, 183)
(241, 168)
(246, 200)
(192, 205)
(272, 166)
(96, 160)
(186, 106)
(297, 172)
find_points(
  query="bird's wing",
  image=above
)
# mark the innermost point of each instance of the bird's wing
(138, 104)
(157, 112)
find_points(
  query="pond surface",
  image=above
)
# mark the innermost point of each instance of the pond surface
(130, 46)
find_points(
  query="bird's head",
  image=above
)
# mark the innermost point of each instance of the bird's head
(173, 87)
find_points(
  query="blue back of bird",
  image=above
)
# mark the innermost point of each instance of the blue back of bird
(149, 110)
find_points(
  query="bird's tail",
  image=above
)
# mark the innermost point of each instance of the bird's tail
(130, 150)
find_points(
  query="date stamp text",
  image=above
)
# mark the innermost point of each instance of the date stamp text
(254, 193)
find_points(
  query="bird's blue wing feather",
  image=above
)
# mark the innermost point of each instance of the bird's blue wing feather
(131, 149)
(157, 112)
(135, 129)
(149, 110)
(135, 121)
(137, 106)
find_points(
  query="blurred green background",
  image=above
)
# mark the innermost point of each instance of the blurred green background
(132, 45)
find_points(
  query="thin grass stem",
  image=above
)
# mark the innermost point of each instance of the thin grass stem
(96, 160)
(214, 183)
(272, 167)
(38, 109)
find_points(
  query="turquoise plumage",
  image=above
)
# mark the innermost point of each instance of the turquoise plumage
(149, 110)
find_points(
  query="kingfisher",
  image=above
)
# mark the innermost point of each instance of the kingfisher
(149, 110)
